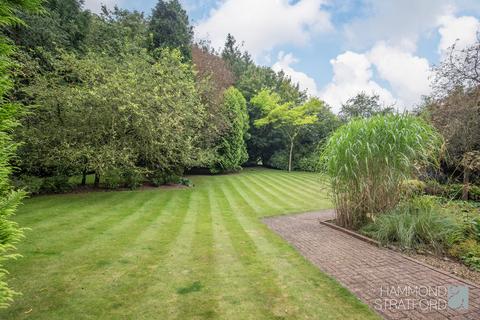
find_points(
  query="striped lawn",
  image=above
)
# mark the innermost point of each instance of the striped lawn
(197, 253)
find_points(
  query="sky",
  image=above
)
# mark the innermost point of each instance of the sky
(336, 49)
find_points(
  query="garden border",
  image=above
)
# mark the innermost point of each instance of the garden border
(378, 244)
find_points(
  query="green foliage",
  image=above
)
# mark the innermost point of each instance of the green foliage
(416, 223)
(30, 184)
(56, 184)
(263, 141)
(96, 113)
(289, 118)
(368, 159)
(186, 182)
(413, 187)
(169, 27)
(112, 178)
(452, 191)
(363, 106)
(10, 233)
(133, 178)
(469, 252)
(232, 151)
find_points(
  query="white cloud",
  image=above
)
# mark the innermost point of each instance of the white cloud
(352, 74)
(96, 5)
(407, 74)
(462, 30)
(304, 81)
(263, 25)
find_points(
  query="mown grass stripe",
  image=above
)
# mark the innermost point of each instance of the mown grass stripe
(292, 187)
(94, 257)
(286, 185)
(262, 188)
(236, 296)
(168, 265)
(198, 288)
(262, 275)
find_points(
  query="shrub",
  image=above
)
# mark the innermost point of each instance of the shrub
(57, 184)
(279, 160)
(186, 182)
(112, 179)
(413, 187)
(157, 178)
(469, 252)
(309, 163)
(133, 178)
(31, 184)
(415, 223)
(474, 193)
(368, 159)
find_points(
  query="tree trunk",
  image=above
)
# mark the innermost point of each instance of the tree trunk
(96, 183)
(84, 177)
(466, 183)
(290, 156)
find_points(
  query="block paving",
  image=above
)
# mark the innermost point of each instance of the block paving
(394, 286)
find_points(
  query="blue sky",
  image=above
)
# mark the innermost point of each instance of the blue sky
(336, 49)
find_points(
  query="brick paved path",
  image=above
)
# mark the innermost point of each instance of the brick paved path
(393, 285)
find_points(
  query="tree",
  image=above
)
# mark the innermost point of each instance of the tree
(288, 117)
(232, 151)
(213, 77)
(364, 106)
(63, 25)
(10, 233)
(98, 113)
(459, 69)
(170, 27)
(454, 107)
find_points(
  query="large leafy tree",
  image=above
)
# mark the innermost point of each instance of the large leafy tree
(170, 27)
(10, 233)
(98, 113)
(287, 117)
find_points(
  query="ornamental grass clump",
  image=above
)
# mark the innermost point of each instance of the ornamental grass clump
(367, 161)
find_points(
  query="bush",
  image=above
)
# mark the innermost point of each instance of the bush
(160, 178)
(309, 163)
(452, 191)
(57, 184)
(416, 223)
(157, 178)
(186, 182)
(474, 193)
(368, 159)
(133, 178)
(279, 160)
(31, 184)
(413, 187)
(469, 252)
(112, 179)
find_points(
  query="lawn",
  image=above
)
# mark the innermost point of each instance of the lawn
(196, 253)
